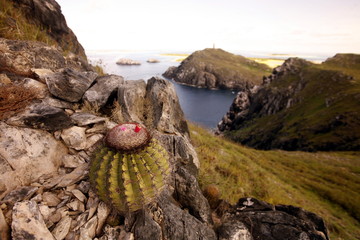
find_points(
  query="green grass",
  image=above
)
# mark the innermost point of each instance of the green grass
(14, 25)
(325, 183)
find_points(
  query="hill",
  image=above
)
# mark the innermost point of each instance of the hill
(324, 183)
(301, 106)
(216, 68)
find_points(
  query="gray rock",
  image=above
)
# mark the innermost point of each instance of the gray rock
(189, 195)
(78, 174)
(50, 199)
(42, 116)
(131, 96)
(28, 223)
(79, 195)
(72, 161)
(231, 229)
(146, 228)
(163, 108)
(57, 103)
(19, 194)
(82, 119)
(4, 227)
(74, 137)
(87, 232)
(40, 88)
(41, 73)
(62, 228)
(104, 86)
(111, 233)
(70, 85)
(26, 154)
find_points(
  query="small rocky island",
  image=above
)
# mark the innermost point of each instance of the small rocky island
(126, 61)
(218, 69)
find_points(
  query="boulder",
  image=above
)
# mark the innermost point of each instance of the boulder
(69, 84)
(26, 154)
(104, 86)
(82, 119)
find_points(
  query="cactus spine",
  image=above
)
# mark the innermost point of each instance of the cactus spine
(130, 169)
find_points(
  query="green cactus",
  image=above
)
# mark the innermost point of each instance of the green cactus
(131, 169)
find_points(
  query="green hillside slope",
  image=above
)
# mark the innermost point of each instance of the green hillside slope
(327, 184)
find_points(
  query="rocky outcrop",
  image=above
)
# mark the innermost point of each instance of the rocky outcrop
(126, 61)
(294, 109)
(215, 68)
(47, 15)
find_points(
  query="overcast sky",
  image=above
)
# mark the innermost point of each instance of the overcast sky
(278, 26)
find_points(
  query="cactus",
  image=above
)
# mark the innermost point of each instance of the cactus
(130, 169)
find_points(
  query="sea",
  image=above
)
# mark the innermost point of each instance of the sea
(201, 106)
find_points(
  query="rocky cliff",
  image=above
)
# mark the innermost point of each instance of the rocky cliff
(218, 69)
(28, 19)
(301, 106)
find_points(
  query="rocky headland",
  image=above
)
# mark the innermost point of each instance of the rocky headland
(55, 110)
(300, 106)
(126, 61)
(218, 69)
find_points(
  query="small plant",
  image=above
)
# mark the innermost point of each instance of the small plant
(13, 98)
(131, 169)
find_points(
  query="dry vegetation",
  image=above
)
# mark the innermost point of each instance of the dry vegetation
(13, 98)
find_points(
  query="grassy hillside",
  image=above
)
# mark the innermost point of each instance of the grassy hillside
(327, 184)
(324, 115)
(225, 63)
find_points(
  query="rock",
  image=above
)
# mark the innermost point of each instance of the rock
(163, 108)
(271, 222)
(189, 195)
(70, 85)
(76, 205)
(50, 199)
(57, 103)
(126, 61)
(42, 116)
(46, 212)
(62, 228)
(19, 194)
(87, 232)
(146, 228)
(103, 88)
(35, 153)
(4, 227)
(131, 96)
(28, 223)
(152, 60)
(4, 79)
(216, 68)
(79, 195)
(103, 212)
(41, 73)
(40, 89)
(72, 161)
(112, 233)
(234, 230)
(78, 174)
(74, 137)
(82, 119)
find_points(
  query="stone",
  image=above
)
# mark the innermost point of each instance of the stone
(82, 119)
(163, 107)
(112, 233)
(4, 227)
(40, 89)
(35, 153)
(28, 223)
(87, 231)
(79, 195)
(103, 212)
(69, 84)
(92, 140)
(84, 187)
(42, 116)
(74, 137)
(46, 212)
(252, 204)
(146, 228)
(125, 61)
(75, 176)
(234, 230)
(62, 228)
(4, 79)
(19, 194)
(189, 195)
(72, 161)
(131, 96)
(50, 199)
(103, 88)
(57, 103)
(41, 73)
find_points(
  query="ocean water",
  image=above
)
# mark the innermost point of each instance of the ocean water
(202, 106)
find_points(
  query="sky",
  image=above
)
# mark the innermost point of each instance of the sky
(276, 26)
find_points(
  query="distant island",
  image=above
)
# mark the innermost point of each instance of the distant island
(126, 61)
(218, 69)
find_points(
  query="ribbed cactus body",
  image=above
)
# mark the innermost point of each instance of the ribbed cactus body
(129, 178)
